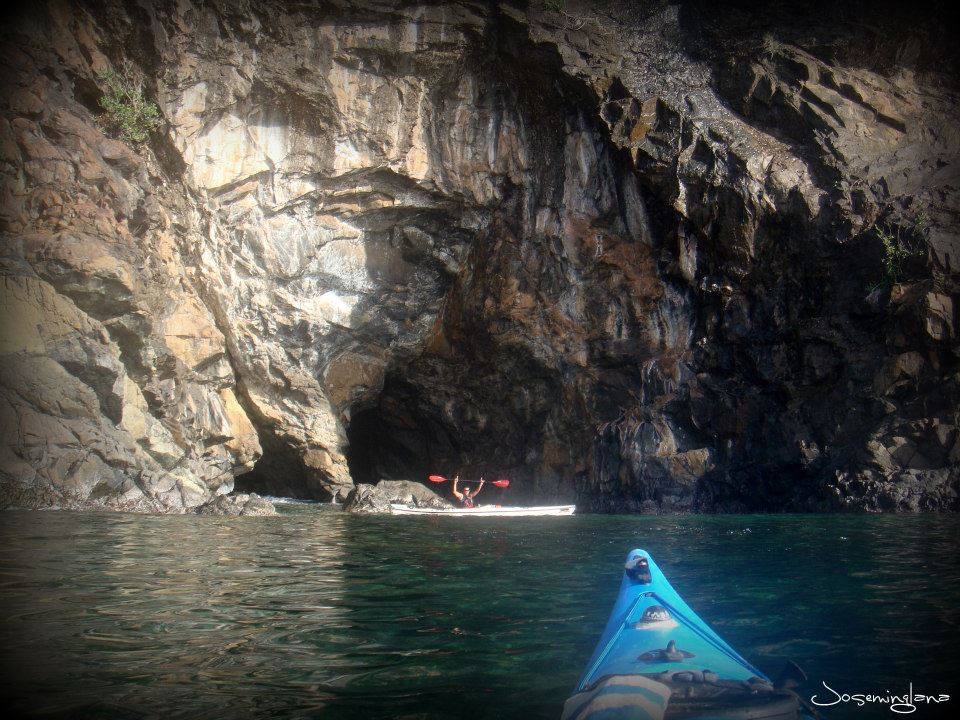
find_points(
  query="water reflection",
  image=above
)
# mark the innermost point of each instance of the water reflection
(191, 615)
(318, 614)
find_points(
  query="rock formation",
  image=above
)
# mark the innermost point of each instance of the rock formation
(648, 258)
(377, 498)
(237, 504)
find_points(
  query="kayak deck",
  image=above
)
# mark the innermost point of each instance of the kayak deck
(652, 630)
(487, 511)
(658, 660)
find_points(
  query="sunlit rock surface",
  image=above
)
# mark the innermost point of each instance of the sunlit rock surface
(632, 259)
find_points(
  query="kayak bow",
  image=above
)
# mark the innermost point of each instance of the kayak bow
(651, 629)
(658, 660)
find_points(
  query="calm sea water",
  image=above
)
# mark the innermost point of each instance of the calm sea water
(320, 614)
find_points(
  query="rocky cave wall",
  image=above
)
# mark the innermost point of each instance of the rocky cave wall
(628, 256)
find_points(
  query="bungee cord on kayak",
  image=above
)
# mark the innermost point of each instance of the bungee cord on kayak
(657, 658)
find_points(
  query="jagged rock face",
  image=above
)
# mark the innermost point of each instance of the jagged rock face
(588, 248)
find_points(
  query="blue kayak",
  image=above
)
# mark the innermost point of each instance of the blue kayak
(658, 659)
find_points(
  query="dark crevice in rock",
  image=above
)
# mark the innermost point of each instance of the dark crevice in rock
(387, 441)
(282, 472)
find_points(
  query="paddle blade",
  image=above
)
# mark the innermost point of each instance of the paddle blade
(437, 478)
(501, 483)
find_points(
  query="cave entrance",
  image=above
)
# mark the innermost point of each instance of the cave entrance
(376, 452)
(441, 417)
(281, 472)
(397, 438)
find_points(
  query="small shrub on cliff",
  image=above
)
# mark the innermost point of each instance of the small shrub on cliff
(899, 246)
(127, 113)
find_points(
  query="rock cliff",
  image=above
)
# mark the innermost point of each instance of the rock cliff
(648, 258)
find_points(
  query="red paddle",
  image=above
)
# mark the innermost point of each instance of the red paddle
(441, 478)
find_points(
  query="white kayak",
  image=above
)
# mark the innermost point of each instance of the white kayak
(486, 511)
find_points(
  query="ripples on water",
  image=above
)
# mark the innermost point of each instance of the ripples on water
(320, 614)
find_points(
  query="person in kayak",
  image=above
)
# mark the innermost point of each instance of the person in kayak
(466, 497)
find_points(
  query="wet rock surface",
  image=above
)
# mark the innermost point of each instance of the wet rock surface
(660, 260)
(235, 505)
(377, 498)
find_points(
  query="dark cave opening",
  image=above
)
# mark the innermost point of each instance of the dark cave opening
(412, 446)
(450, 417)
(399, 437)
(378, 452)
(281, 472)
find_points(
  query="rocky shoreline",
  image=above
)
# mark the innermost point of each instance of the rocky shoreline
(238, 504)
(676, 259)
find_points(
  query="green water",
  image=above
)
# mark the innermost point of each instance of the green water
(320, 614)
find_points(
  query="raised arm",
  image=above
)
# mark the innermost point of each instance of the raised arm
(456, 493)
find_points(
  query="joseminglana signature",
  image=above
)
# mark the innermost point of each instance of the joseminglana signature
(902, 704)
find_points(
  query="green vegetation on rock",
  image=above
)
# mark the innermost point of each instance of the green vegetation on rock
(898, 246)
(127, 113)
